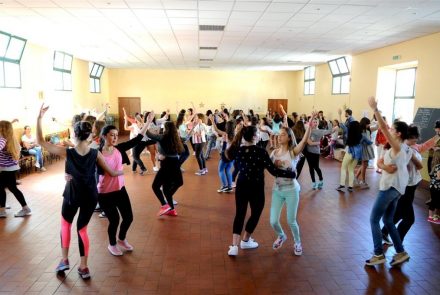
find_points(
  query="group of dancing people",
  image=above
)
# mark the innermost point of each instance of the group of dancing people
(95, 159)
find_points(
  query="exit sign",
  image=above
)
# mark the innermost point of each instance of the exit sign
(396, 57)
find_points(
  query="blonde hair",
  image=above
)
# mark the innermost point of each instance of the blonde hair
(12, 146)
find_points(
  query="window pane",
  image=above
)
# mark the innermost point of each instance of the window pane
(94, 70)
(67, 81)
(334, 67)
(58, 60)
(12, 74)
(312, 87)
(306, 74)
(404, 109)
(4, 40)
(342, 65)
(67, 62)
(345, 84)
(97, 85)
(58, 80)
(336, 85)
(15, 49)
(91, 85)
(405, 80)
(2, 77)
(312, 72)
(306, 88)
(100, 70)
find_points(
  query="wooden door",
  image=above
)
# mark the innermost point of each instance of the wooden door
(273, 105)
(132, 106)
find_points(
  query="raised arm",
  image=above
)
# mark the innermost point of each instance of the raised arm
(53, 149)
(301, 145)
(126, 127)
(102, 115)
(219, 132)
(395, 145)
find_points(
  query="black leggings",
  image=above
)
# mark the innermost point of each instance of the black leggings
(404, 212)
(9, 181)
(435, 199)
(111, 203)
(169, 177)
(252, 193)
(300, 165)
(183, 156)
(198, 148)
(137, 151)
(313, 161)
(68, 213)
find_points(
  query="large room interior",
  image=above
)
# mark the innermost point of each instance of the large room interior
(81, 55)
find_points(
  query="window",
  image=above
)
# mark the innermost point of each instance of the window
(11, 51)
(309, 80)
(404, 94)
(62, 69)
(341, 75)
(95, 77)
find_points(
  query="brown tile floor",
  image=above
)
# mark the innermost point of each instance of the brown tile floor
(187, 254)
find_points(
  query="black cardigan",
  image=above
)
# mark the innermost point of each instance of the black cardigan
(123, 147)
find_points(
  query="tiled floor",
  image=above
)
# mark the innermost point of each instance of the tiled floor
(187, 254)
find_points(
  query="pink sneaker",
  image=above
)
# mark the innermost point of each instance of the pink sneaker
(125, 246)
(171, 213)
(114, 250)
(164, 209)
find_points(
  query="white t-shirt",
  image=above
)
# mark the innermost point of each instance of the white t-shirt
(265, 136)
(414, 175)
(199, 133)
(134, 130)
(285, 162)
(398, 179)
(29, 140)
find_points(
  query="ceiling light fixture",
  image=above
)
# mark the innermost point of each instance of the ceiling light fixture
(206, 59)
(211, 28)
(208, 48)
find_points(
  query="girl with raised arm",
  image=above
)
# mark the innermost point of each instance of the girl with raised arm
(392, 185)
(286, 190)
(80, 191)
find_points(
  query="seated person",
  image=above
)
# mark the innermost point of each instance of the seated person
(30, 144)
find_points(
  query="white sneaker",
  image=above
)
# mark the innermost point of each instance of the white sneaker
(42, 169)
(3, 214)
(297, 249)
(155, 169)
(205, 170)
(114, 250)
(37, 165)
(250, 244)
(233, 184)
(23, 212)
(233, 251)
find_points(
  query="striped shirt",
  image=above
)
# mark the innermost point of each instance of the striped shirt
(7, 163)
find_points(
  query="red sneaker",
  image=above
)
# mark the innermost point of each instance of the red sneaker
(164, 209)
(171, 213)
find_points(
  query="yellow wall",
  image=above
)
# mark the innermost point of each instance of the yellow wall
(161, 89)
(36, 76)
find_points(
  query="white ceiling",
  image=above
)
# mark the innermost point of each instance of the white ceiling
(259, 34)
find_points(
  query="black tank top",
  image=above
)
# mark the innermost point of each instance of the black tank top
(82, 187)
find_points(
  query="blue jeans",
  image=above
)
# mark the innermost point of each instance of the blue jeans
(291, 198)
(224, 172)
(36, 151)
(385, 207)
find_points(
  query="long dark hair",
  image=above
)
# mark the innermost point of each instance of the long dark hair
(229, 129)
(354, 134)
(401, 127)
(299, 130)
(364, 124)
(171, 142)
(246, 132)
(180, 119)
(104, 132)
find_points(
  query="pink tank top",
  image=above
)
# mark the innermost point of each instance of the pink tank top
(107, 183)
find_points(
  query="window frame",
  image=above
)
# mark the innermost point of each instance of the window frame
(413, 97)
(6, 60)
(339, 75)
(93, 76)
(64, 71)
(308, 79)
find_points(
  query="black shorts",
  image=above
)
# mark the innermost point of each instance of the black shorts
(150, 142)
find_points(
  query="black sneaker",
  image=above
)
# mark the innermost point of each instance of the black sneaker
(84, 273)
(350, 189)
(340, 188)
(228, 189)
(221, 190)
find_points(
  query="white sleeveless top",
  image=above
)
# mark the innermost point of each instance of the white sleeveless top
(399, 179)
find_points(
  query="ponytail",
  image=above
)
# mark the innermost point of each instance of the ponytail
(231, 152)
